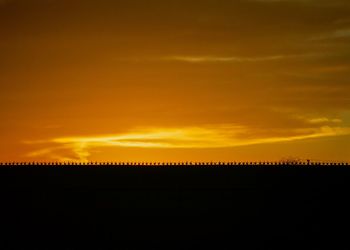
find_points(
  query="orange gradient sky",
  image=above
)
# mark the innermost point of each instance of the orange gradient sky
(209, 80)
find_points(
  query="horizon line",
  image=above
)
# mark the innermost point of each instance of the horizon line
(182, 163)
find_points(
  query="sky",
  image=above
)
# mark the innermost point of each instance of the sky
(184, 80)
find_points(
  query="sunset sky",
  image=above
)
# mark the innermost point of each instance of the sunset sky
(184, 80)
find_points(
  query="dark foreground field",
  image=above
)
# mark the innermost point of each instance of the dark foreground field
(215, 207)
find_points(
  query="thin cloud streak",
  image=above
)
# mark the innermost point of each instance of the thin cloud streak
(216, 59)
(229, 59)
(180, 138)
(337, 34)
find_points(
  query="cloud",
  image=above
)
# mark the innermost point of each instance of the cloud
(323, 120)
(216, 59)
(225, 136)
(341, 34)
(337, 34)
(231, 59)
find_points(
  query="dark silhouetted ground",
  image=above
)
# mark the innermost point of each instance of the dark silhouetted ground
(218, 207)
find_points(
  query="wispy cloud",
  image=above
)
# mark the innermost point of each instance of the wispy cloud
(209, 137)
(337, 34)
(233, 59)
(216, 58)
(322, 120)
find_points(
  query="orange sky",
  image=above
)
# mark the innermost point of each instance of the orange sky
(177, 80)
